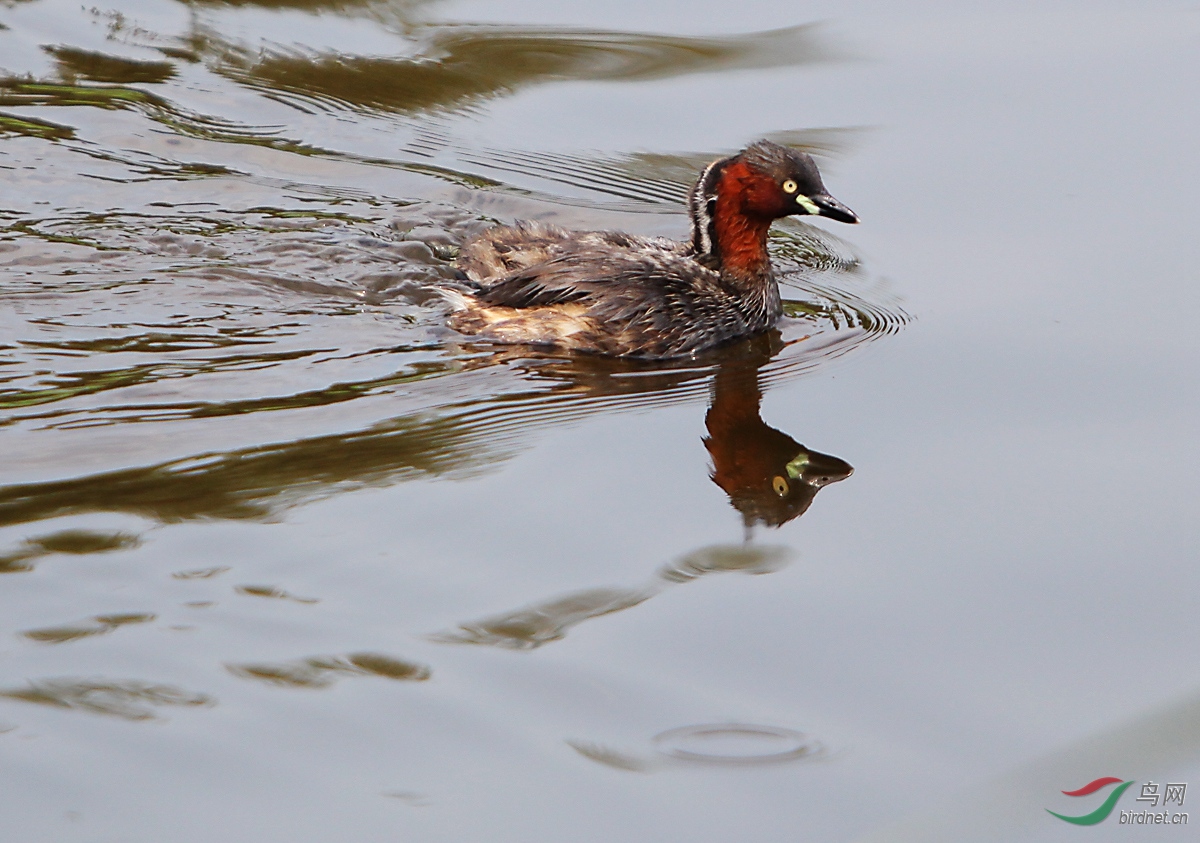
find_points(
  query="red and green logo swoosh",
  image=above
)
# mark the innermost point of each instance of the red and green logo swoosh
(1101, 813)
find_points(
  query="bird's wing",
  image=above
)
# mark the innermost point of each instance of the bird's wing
(599, 276)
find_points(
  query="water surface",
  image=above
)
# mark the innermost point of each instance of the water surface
(283, 557)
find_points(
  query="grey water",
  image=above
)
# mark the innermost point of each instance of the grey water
(283, 557)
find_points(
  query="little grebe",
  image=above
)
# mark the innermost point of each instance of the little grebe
(610, 293)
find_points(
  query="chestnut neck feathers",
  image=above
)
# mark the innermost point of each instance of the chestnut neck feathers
(735, 200)
(730, 222)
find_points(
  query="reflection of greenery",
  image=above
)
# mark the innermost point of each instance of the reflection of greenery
(323, 671)
(403, 7)
(101, 67)
(272, 592)
(551, 620)
(457, 66)
(450, 439)
(23, 92)
(85, 383)
(253, 482)
(443, 67)
(18, 92)
(64, 387)
(717, 559)
(129, 699)
(75, 542)
(34, 128)
(99, 625)
(526, 629)
(640, 177)
(446, 440)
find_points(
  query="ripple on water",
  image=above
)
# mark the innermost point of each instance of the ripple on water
(201, 573)
(204, 336)
(720, 744)
(444, 410)
(737, 743)
(457, 67)
(227, 315)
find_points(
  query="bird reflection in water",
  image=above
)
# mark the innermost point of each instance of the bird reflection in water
(769, 477)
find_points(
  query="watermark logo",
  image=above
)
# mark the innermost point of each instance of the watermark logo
(1101, 813)
(1171, 792)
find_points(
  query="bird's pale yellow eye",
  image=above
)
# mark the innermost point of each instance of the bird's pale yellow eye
(780, 485)
(789, 186)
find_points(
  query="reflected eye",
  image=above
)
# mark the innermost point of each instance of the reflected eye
(789, 186)
(780, 485)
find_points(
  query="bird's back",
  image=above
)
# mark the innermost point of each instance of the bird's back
(545, 285)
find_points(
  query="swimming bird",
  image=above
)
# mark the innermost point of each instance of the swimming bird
(611, 293)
